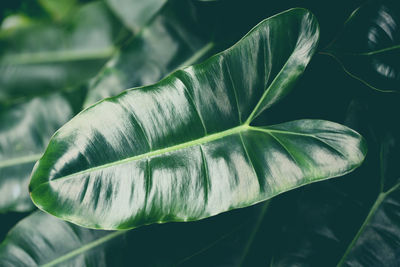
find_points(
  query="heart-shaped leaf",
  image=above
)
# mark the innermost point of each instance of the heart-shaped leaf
(183, 149)
(369, 46)
(25, 130)
(171, 39)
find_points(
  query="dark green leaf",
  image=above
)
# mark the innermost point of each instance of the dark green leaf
(45, 57)
(170, 40)
(369, 46)
(183, 149)
(25, 130)
(43, 240)
(377, 241)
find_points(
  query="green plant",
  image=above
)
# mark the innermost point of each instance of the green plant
(193, 141)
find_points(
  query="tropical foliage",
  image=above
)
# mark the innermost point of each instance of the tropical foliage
(199, 133)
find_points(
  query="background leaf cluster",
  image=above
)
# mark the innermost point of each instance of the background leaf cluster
(58, 57)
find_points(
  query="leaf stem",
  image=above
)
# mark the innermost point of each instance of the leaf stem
(212, 244)
(82, 249)
(198, 55)
(19, 160)
(370, 53)
(371, 213)
(58, 56)
(254, 232)
(354, 76)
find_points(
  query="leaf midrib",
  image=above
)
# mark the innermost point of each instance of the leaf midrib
(58, 56)
(84, 248)
(19, 160)
(199, 141)
(370, 53)
(198, 55)
(353, 75)
(381, 197)
(202, 140)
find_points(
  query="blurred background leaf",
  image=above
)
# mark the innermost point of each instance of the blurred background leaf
(368, 47)
(59, 9)
(38, 58)
(171, 39)
(29, 8)
(136, 13)
(44, 57)
(25, 130)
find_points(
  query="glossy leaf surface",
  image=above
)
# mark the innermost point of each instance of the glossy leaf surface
(135, 13)
(25, 130)
(46, 57)
(170, 40)
(183, 149)
(369, 46)
(43, 240)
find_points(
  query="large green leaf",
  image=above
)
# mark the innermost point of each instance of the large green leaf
(135, 13)
(368, 48)
(169, 40)
(25, 130)
(183, 149)
(44, 57)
